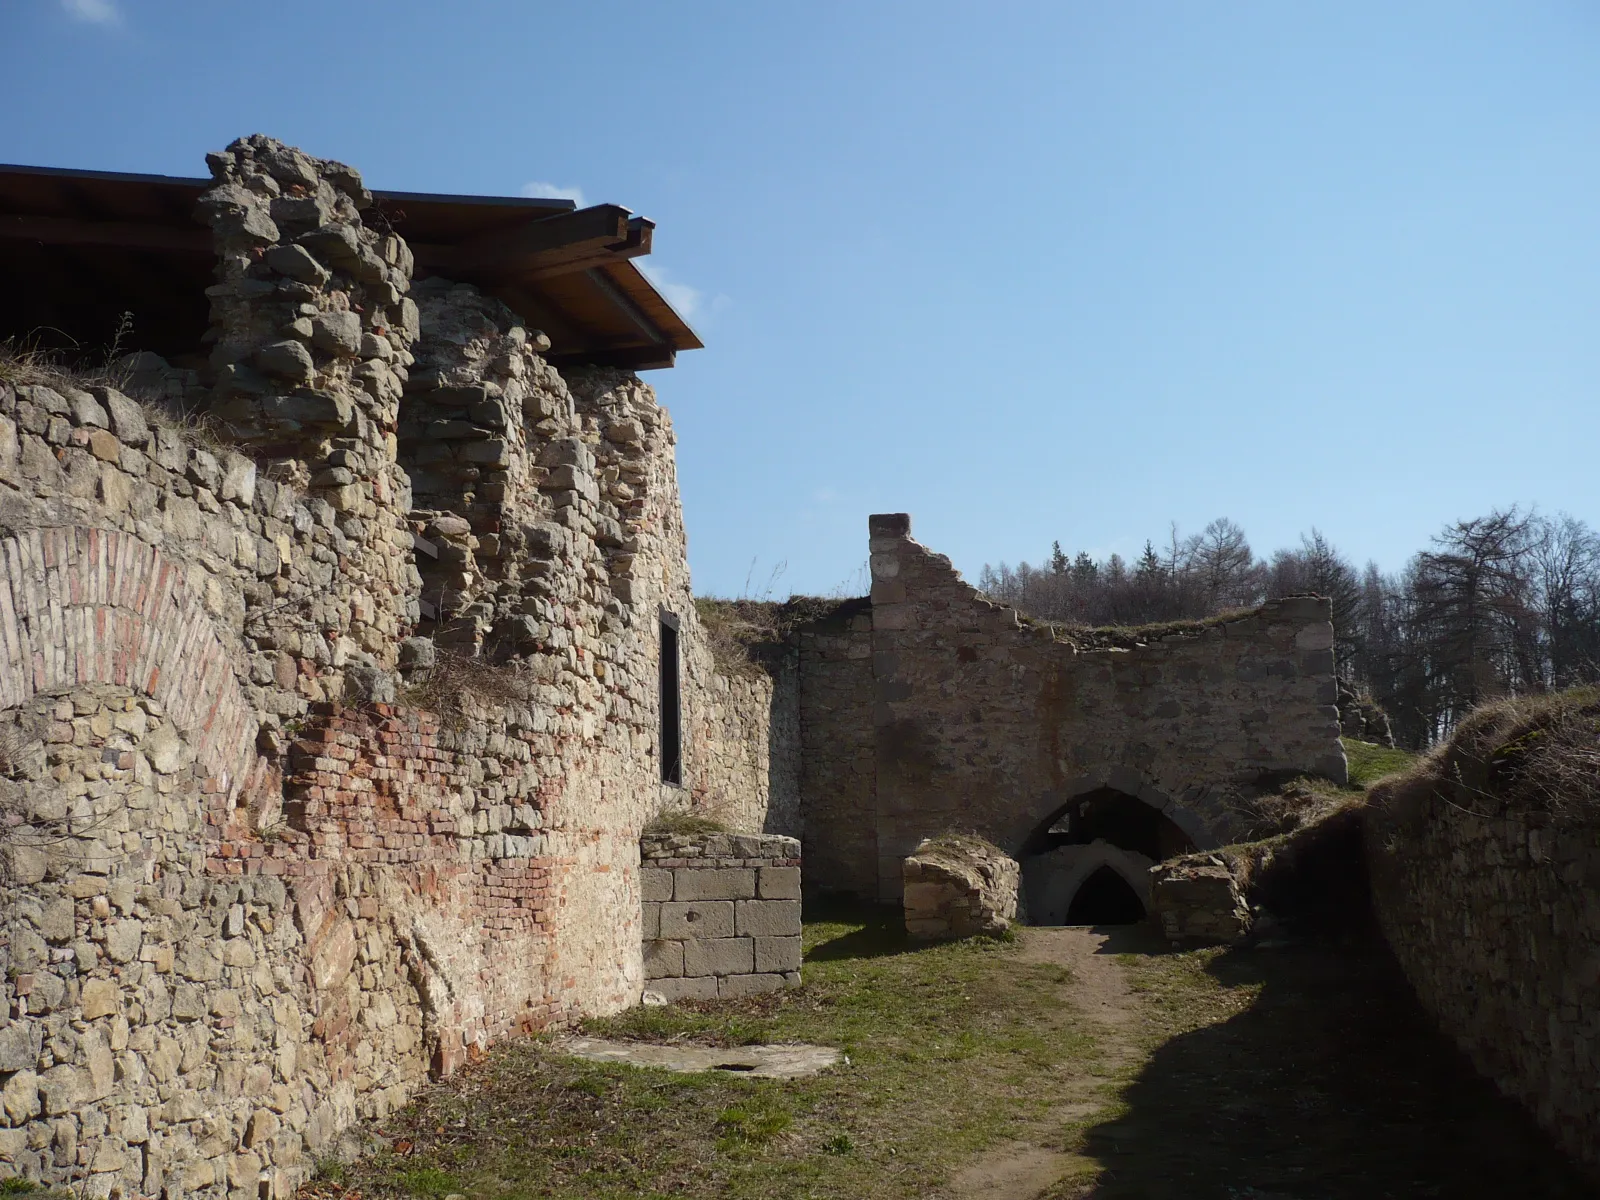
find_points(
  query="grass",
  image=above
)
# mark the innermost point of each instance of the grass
(947, 1046)
(685, 823)
(1535, 757)
(1305, 1072)
(1370, 762)
(24, 363)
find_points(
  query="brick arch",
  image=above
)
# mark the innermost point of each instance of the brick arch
(1120, 779)
(82, 606)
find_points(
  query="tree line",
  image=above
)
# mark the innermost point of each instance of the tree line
(1503, 604)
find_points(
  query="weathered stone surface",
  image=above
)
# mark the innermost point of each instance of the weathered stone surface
(664, 959)
(1197, 898)
(287, 360)
(742, 938)
(19, 1045)
(933, 707)
(697, 919)
(957, 887)
(718, 956)
(777, 954)
(766, 918)
(1488, 901)
(99, 998)
(793, 1060)
(714, 884)
(779, 883)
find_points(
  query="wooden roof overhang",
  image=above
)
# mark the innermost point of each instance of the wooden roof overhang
(79, 248)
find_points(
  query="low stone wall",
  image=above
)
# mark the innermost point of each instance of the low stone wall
(721, 914)
(957, 887)
(1493, 912)
(1197, 898)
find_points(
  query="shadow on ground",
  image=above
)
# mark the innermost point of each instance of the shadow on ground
(1332, 1084)
(882, 930)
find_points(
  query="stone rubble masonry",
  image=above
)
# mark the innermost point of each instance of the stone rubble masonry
(838, 751)
(1197, 898)
(272, 898)
(984, 722)
(1492, 909)
(959, 887)
(721, 914)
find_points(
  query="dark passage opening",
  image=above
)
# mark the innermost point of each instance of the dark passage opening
(671, 703)
(1105, 899)
(1115, 817)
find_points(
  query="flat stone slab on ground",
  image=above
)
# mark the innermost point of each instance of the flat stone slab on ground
(790, 1061)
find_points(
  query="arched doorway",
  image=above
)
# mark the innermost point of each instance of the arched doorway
(1089, 861)
(1105, 898)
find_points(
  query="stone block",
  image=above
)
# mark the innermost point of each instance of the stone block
(777, 953)
(650, 921)
(99, 998)
(656, 884)
(719, 956)
(664, 959)
(19, 1045)
(698, 919)
(778, 883)
(717, 884)
(704, 988)
(732, 986)
(767, 918)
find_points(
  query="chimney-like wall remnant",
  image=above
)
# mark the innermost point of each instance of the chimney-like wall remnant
(311, 331)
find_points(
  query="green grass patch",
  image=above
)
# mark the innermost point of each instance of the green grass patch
(1370, 762)
(947, 1047)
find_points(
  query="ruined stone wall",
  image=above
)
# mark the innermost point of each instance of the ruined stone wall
(838, 754)
(985, 724)
(203, 640)
(1493, 911)
(721, 914)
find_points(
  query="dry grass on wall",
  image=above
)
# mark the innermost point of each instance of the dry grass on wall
(749, 638)
(1536, 756)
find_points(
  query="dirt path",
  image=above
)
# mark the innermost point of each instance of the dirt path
(1024, 1168)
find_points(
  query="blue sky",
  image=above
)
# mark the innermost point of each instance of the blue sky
(1028, 271)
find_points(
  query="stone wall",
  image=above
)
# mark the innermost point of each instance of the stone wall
(988, 724)
(959, 887)
(721, 914)
(982, 721)
(837, 751)
(258, 889)
(1199, 898)
(1493, 910)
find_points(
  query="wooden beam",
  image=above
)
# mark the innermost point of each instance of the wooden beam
(131, 235)
(549, 242)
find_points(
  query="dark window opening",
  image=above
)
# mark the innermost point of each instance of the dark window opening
(1116, 817)
(1105, 898)
(671, 703)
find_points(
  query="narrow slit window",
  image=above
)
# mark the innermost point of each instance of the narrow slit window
(671, 703)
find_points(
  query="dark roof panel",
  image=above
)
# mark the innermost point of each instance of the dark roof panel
(98, 243)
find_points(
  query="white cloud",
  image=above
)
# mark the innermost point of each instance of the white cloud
(536, 189)
(687, 300)
(93, 12)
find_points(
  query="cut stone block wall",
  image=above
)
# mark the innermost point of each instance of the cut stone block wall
(721, 914)
(1493, 911)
